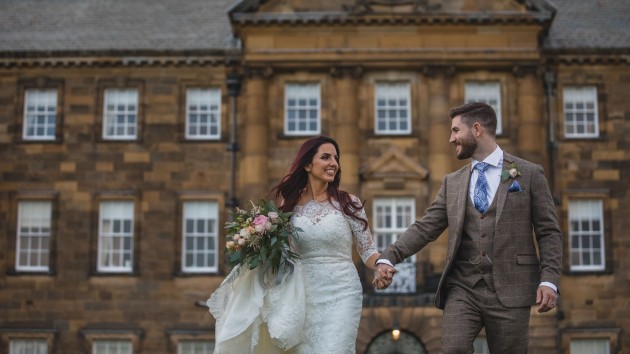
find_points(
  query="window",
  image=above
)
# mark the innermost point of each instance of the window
(590, 346)
(111, 347)
(33, 236)
(28, 346)
(580, 112)
(120, 114)
(203, 114)
(393, 109)
(302, 109)
(488, 93)
(195, 348)
(40, 114)
(392, 217)
(481, 345)
(115, 236)
(200, 236)
(586, 235)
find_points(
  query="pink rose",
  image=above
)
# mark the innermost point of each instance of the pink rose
(260, 220)
(273, 215)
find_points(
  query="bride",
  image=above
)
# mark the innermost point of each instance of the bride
(317, 308)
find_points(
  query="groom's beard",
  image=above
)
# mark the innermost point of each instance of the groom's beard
(468, 147)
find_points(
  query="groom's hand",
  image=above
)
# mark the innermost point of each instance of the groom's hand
(383, 276)
(546, 298)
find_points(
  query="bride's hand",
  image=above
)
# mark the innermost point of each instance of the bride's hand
(383, 276)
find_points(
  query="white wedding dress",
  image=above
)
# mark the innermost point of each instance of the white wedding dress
(333, 291)
(314, 310)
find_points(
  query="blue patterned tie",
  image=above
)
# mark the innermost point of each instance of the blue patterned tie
(481, 188)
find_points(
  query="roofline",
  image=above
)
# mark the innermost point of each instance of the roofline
(118, 58)
(434, 18)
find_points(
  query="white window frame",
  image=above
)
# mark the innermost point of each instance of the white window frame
(206, 213)
(40, 106)
(586, 98)
(120, 104)
(116, 236)
(301, 101)
(590, 346)
(391, 101)
(28, 346)
(33, 237)
(486, 92)
(589, 211)
(193, 347)
(112, 347)
(382, 233)
(203, 104)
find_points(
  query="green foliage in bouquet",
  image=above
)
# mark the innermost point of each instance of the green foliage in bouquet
(260, 236)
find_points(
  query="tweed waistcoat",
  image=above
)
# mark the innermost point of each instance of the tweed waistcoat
(473, 260)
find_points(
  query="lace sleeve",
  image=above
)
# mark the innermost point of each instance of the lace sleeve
(363, 238)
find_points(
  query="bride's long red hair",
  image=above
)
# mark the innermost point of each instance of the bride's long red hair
(291, 186)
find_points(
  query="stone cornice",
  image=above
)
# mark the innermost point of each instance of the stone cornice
(59, 59)
(434, 18)
(588, 58)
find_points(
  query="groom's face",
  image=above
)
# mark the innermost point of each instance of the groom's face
(463, 139)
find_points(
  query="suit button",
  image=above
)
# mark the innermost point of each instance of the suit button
(482, 216)
(483, 235)
(483, 254)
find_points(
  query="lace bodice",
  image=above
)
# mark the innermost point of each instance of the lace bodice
(328, 232)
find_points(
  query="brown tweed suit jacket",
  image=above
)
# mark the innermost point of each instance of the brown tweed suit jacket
(517, 267)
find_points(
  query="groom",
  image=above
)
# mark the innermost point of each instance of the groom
(493, 273)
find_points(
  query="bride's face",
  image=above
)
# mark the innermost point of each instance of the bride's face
(325, 164)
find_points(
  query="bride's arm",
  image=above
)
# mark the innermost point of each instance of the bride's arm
(365, 241)
(371, 262)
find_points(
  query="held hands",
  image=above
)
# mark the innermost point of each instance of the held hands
(383, 276)
(546, 298)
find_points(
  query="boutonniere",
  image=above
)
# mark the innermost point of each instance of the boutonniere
(511, 171)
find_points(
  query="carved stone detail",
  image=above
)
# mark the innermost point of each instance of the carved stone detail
(353, 72)
(362, 7)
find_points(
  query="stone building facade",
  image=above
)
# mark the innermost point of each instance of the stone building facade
(127, 133)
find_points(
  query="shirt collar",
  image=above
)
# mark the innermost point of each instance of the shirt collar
(494, 159)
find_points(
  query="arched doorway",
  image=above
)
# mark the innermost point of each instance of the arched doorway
(407, 343)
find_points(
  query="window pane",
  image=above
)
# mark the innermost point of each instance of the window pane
(200, 236)
(392, 109)
(590, 346)
(116, 236)
(389, 214)
(32, 239)
(580, 112)
(40, 112)
(28, 346)
(119, 115)
(586, 239)
(489, 93)
(302, 108)
(203, 104)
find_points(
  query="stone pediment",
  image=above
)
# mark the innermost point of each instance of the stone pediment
(394, 164)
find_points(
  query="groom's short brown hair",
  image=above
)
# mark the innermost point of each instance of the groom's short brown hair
(477, 112)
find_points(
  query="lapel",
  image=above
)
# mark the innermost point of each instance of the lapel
(502, 191)
(462, 197)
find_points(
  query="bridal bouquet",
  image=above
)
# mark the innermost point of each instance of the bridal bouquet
(260, 236)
